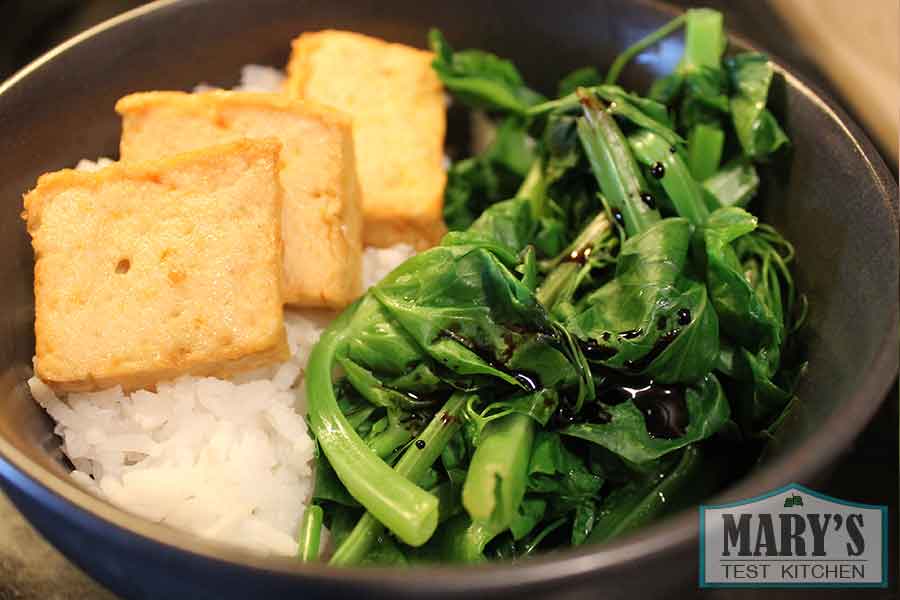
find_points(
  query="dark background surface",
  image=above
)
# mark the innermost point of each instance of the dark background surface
(868, 473)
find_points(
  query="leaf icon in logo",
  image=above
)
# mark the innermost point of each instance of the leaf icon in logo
(793, 500)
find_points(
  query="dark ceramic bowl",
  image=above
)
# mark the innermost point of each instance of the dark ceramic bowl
(836, 202)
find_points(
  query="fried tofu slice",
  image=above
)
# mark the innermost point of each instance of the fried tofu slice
(399, 118)
(147, 271)
(322, 220)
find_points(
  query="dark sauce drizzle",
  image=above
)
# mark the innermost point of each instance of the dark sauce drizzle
(529, 381)
(663, 406)
(658, 348)
(580, 256)
(597, 352)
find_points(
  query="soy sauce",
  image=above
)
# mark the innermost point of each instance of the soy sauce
(597, 352)
(663, 406)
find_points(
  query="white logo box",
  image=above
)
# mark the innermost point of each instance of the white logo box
(793, 537)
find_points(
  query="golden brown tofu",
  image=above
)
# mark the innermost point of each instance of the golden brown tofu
(399, 119)
(147, 271)
(322, 220)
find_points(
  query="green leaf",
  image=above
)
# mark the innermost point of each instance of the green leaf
(328, 487)
(530, 513)
(481, 79)
(379, 342)
(666, 89)
(476, 183)
(583, 523)
(538, 405)
(645, 499)
(385, 552)
(649, 288)
(509, 223)
(743, 314)
(757, 130)
(735, 184)
(373, 390)
(626, 432)
(469, 313)
(559, 474)
(459, 540)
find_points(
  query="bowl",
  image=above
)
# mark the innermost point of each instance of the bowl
(835, 201)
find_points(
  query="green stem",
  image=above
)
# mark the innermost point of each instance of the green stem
(384, 444)
(556, 281)
(704, 40)
(310, 533)
(407, 510)
(566, 265)
(593, 233)
(614, 166)
(642, 44)
(553, 526)
(533, 189)
(704, 147)
(683, 190)
(417, 459)
(498, 473)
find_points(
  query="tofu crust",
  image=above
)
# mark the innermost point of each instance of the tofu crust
(151, 270)
(322, 218)
(398, 109)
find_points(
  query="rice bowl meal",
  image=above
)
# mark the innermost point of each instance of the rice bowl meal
(289, 317)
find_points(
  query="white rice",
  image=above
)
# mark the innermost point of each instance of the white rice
(93, 165)
(254, 78)
(227, 460)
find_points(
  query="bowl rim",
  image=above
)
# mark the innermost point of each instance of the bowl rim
(664, 538)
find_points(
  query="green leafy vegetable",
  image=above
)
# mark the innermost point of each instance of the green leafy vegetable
(475, 183)
(481, 79)
(626, 433)
(756, 127)
(733, 185)
(310, 533)
(649, 497)
(650, 288)
(495, 484)
(555, 372)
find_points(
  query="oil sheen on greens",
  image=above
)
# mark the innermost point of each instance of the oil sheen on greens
(605, 335)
